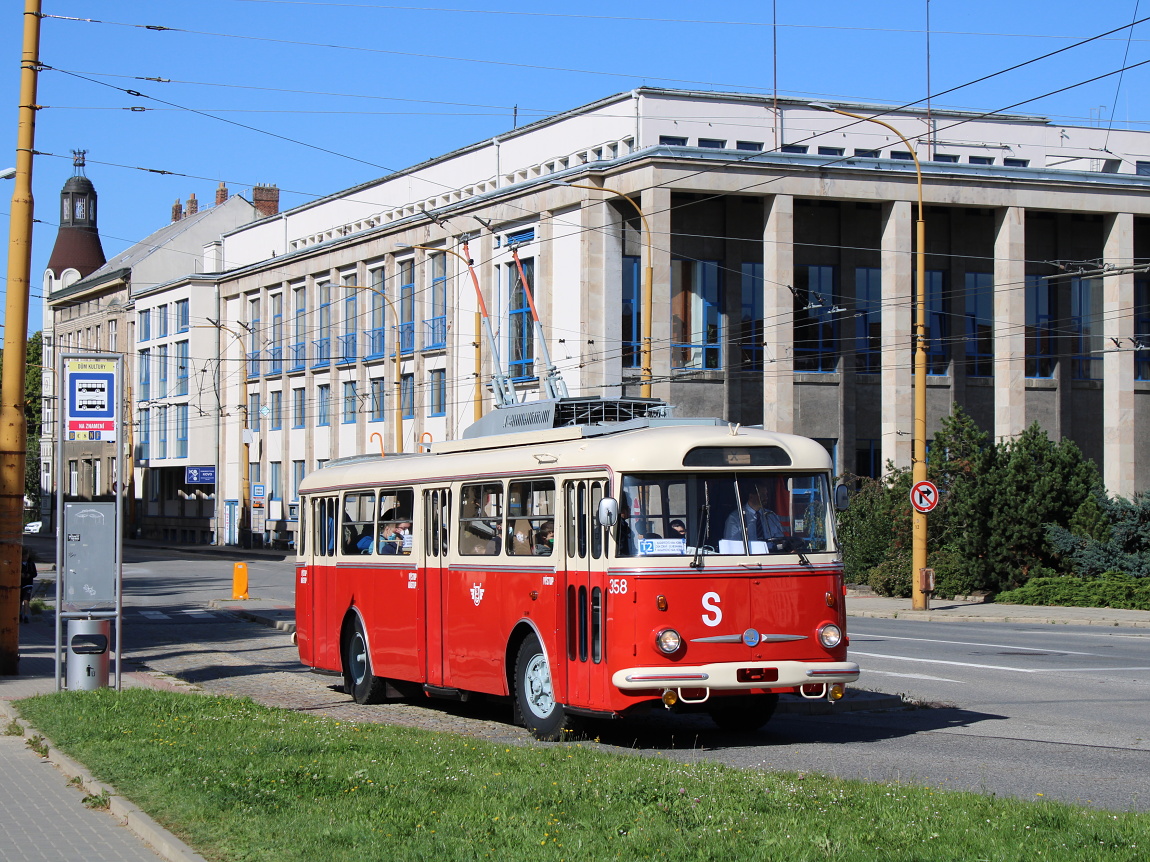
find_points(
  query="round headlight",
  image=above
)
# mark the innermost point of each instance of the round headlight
(830, 635)
(668, 641)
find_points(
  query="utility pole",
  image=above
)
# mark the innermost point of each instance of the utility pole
(13, 421)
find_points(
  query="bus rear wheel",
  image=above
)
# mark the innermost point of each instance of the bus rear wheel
(744, 714)
(535, 694)
(358, 680)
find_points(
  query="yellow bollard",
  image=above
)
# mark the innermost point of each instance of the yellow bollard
(240, 581)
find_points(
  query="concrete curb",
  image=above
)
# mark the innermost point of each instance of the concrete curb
(929, 617)
(167, 845)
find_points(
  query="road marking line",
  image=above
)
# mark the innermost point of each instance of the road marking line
(155, 615)
(968, 643)
(913, 676)
(996, 666)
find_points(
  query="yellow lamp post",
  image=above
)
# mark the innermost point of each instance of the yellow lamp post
(648, 283)
(918, 465)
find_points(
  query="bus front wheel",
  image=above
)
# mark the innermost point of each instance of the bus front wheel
(535, 694)
(358, 680)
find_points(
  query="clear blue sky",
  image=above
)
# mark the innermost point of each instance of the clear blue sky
(385, 86)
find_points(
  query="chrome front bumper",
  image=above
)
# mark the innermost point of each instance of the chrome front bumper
(724, 675)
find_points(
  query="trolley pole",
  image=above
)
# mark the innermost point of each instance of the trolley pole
(13, 421)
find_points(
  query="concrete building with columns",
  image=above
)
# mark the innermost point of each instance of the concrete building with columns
(781, 239)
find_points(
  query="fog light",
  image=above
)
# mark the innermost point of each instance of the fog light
(668, 641)
(669, 697)
(835, 691)
(830, 635)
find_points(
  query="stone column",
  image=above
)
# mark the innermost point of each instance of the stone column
(656, 205)
(1118, 364)
(1009, 323)
(897, 312)
(778, 315)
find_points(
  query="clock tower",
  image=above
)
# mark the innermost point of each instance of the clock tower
(77, 252)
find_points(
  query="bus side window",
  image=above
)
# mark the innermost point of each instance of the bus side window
(597, 493)
(481, 520)
(395, 521)
(358, 527)
(301, 545)
(531, 518)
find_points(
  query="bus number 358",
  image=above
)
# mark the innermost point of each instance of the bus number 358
(617, 586)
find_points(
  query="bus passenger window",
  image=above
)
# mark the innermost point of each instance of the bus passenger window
(531, 518)
(358, 527)
(395, 521)
(481, 520)
(325, 526)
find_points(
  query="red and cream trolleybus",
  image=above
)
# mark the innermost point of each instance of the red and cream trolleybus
(589, 559)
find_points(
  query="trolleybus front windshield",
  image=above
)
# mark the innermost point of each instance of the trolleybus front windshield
(732, 513)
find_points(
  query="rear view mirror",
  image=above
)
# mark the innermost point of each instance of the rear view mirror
(608, 512)
(842, 498)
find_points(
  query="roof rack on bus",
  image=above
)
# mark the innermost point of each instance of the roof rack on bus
(567, 413)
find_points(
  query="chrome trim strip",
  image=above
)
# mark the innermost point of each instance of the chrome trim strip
(738, 639)
(719, 639)
(676, 677)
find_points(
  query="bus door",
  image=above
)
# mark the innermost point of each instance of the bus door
(324, 615)
(436, 533)
(584, 593)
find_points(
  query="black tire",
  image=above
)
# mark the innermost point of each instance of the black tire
(744, 714)
(358, 680)
(535, 696)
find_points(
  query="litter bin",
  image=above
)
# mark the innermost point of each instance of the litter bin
(87, 654)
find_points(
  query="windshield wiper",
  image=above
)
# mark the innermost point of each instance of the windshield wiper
(795, 546)
(704, 531)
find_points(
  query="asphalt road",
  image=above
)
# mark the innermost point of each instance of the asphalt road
(1026, 711)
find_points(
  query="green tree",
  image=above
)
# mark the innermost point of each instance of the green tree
(33, 399)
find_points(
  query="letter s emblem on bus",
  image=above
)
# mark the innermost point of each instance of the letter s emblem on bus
(711, 603)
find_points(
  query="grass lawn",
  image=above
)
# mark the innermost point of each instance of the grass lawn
(240, 781)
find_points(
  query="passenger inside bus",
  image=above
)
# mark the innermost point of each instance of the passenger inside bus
(545, 539)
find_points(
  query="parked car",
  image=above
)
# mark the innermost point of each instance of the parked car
(33, 526)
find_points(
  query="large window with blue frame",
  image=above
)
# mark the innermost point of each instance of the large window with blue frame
(348, 340)
(323, 332)
(816, 326)
(378, 387)
(254, 336)
(696, 315)
(299, 330)
(275, 345)
(937, 324)
(632, 308)
(520, 325)
(435, 326)
(350, 402)
(181, 431)
(298, 407)
(1142, 329)
(979, 298)
(144, 419)
(1086, 328)
(437, 402)
(1041, 352)
(868, 321)
(145, 390)
(868, 458)
(751, 336)
(407, 395)
(375, 335)
(406, 306)
(323, 404)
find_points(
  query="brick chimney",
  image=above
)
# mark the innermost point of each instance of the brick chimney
(266, 200)
(221, 194)
(177, 210)
(193, 205)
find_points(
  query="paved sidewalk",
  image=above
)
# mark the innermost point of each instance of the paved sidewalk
(942, 610)
(42, 817)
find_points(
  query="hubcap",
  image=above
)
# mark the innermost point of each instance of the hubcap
(358, 658)
(537, 682)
